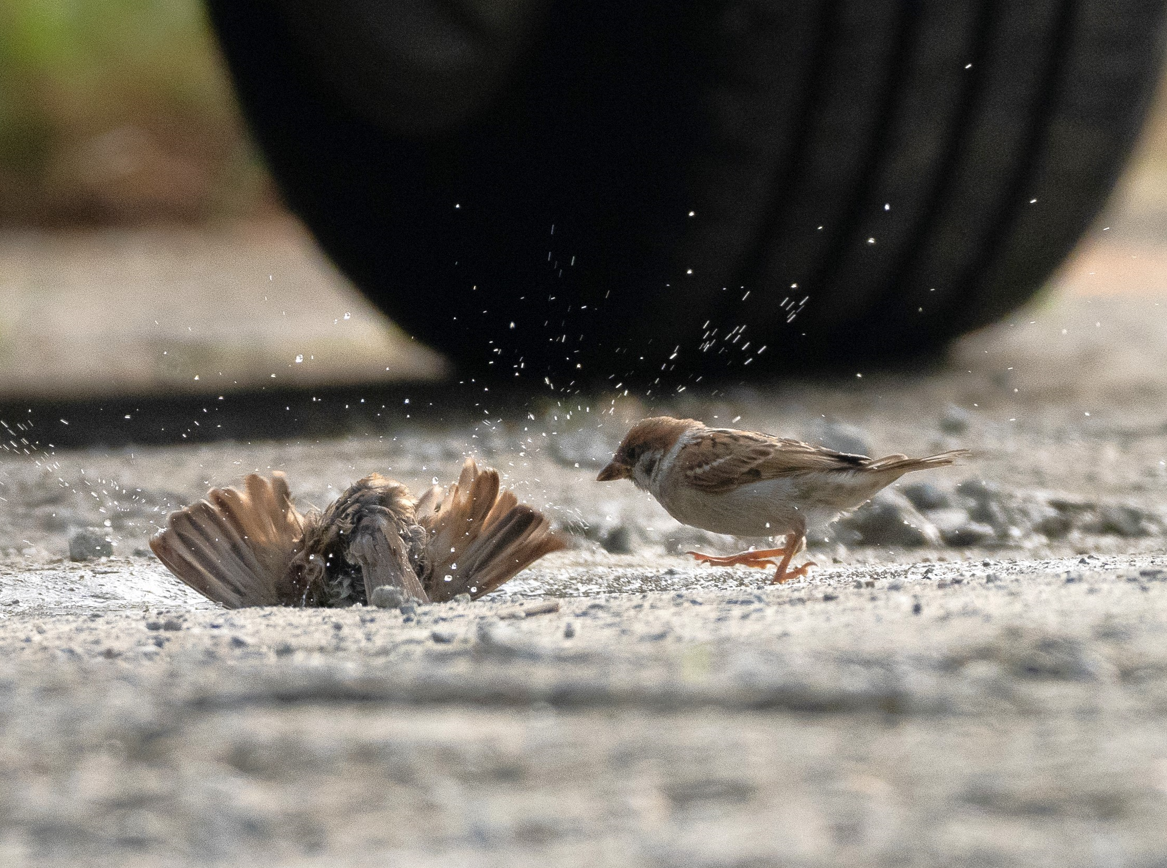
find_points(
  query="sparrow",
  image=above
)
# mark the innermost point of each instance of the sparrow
(254, 548)
(750, 484)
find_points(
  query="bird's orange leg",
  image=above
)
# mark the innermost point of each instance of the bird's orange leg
(783, 573)
(761, 558)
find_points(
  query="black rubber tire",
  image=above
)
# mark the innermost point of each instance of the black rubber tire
(625, 188)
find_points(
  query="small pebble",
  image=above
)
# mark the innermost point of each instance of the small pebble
(845, 438)
(925, 495)
(955, 420)
(969, 534)
(239, 642)
(496, 638)
(1120, 520)
(618, 540)
(90, 543)
(1054, 526)
(978, 490)
(569, 630)
(387, 597)
(442, 637)
(889, 519)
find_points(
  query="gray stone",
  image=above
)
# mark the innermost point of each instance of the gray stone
(978, 490)
(969, 534)
(992, 513)
(948, 520)
(90, 543)
(500, 640)
(955, 420)
(889, 519)
(845, 438)
(388, 597)
(442, 637)
(1120, 520)
(925, 495)
(1055, 525)
(619, 540)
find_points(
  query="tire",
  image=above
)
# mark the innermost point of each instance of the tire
(620, 189)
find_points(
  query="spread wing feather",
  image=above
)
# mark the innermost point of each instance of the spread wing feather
(234, 546)
(480, 537)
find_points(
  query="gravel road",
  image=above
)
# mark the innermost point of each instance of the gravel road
(976, 674)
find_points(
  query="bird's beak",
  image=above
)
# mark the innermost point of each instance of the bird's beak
(614, 470)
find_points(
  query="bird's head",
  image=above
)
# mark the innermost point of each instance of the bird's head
(639, 454)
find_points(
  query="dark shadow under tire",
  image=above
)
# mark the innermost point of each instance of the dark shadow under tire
(617, 189)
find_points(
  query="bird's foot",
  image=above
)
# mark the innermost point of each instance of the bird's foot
(761, 558)
(781, 575)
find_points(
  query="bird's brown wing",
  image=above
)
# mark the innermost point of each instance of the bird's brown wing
(722, 459)
(480, 537)
(234, 546)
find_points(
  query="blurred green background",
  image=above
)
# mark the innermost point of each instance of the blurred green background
(119, 111)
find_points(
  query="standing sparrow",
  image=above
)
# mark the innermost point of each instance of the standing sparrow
(253, 548)
(753, 485)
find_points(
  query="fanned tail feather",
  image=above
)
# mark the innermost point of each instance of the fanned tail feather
(234, 547)
(480, 537)
(902, 464)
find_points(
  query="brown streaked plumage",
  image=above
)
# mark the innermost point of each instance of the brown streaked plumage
(747, 484)
(252, 547)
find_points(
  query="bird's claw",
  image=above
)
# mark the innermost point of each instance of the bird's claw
(788, 575)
